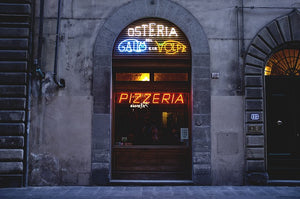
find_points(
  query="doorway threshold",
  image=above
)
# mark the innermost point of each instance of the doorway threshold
(151, 182)
(284, 182)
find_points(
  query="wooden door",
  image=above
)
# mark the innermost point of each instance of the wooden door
(283, 127)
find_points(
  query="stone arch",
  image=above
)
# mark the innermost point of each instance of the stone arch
(116, 22)
(275, 35)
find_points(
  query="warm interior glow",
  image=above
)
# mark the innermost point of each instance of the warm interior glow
(133, 77)
(284, 63)
(165, 118)
(145, 77)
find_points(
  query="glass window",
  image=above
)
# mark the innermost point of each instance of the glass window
(170, 77)
(132, 76)
(153, 124)
(284, 63)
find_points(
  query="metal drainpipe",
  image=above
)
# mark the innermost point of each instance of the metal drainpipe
(61, 82)
(38, 61)
(243, 40)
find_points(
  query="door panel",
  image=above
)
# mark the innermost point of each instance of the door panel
(283, 129)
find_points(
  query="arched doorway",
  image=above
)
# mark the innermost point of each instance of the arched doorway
(102, 85)
(151, 127)
(282, 83)
(270, 92)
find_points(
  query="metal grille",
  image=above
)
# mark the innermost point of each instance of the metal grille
(284, 63)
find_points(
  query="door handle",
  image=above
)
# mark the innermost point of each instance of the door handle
(279, 123)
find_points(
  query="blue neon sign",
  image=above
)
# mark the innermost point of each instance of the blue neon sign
(132, 46)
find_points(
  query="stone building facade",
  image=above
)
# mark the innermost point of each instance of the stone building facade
(71, 122)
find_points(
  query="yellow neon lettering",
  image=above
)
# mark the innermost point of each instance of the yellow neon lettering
(179, 99)
(160, 46)
(171, 47)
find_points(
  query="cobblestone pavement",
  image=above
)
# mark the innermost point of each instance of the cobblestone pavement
(155, 192)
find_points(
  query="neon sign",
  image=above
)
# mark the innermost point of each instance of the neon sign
(152, 37)
(171, 47)
(151, 98)
(152, 30)
(132, 45)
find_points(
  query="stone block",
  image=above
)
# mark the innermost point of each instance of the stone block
(227, 143)
(254, 61)
(100, 176)
(253, 81)
(254, 93)
(100, 173)
(253, 70)
(12, 116)
(201, 60)
(254, 128)
(255, 140)
(267, 37)
(261, 45)
(257, 178)
(101, 131)
(11, 167)
(12, 90)
(12, 103)
(200, 72)
(275, 31)
(44, 169)
(101, 155)
(202, 174)
(255, 153)
(284, 25)
(11, 180)
(201, 84)
(11, 154)
(9, 129)
(11, 141)
(201, 158)
(201, 119)
(256, 52)
(295, 24)
(201, 139)
(254, 105)
(255, 165)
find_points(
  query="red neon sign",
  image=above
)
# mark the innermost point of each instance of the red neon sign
(151, 98)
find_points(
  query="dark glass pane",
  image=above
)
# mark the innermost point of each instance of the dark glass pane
(151, 125)
(170, 77)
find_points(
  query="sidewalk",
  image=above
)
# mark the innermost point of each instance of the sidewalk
(155, 192)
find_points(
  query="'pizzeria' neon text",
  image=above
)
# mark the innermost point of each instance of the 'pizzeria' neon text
(151, 98)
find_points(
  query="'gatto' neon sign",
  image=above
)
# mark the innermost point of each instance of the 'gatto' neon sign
(151, 98)
(132, 45)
